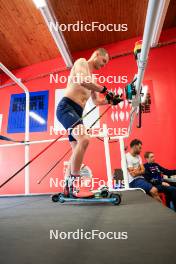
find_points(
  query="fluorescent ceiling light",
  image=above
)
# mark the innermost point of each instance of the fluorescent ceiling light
(37, 118)
(159, 21)
(48, 15)
(40, 3)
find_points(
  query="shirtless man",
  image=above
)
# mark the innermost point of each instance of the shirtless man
(71, 107)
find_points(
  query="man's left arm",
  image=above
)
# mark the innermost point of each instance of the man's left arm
(166, 171)
(139, 171)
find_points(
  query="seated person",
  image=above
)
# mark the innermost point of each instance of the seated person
(153, 174)
(136, 170)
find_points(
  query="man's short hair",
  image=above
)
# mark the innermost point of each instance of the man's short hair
(135, 142)
(147, 154)
(103, 51)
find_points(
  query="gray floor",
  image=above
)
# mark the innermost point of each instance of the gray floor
(25, 224)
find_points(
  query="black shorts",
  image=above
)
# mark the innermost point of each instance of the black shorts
(68, 113)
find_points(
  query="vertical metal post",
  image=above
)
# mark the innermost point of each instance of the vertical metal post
(21, 85)
(107, 156)
(123, 162)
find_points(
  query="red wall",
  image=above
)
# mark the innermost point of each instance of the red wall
(157, 132)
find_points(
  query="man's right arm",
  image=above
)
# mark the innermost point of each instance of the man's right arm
(134, 172)
(84, 77)
(137, 172)
(130, 165)
(140, 171)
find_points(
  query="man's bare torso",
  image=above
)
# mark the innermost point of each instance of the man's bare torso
(74, 90)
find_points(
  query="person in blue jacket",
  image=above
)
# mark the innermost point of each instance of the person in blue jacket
(153, 174)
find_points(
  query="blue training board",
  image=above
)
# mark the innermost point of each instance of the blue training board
(38, 112)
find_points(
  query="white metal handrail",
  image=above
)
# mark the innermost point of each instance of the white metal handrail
(27, 137)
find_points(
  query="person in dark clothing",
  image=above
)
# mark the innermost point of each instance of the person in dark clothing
(153, 174)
